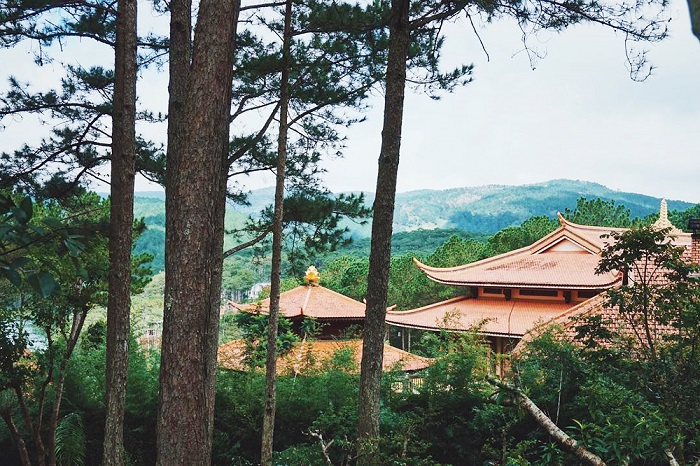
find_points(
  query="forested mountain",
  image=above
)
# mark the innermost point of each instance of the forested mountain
(468, 212)
(489, 209)
(478, 209)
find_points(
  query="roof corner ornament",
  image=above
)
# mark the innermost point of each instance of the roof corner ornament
(561, 219)
(663, 221)
(312, 276)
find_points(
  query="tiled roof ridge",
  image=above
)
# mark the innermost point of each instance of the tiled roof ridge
(300, 359)
(309, 287)
(581, 308)
(405, 353)
(428, 268)
(538, 286)
(596, 228)
(340, 295)
(564, 233)
(429, 306)
(559, 234)
(308, 290)
(534, 248)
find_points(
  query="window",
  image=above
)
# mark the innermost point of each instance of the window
(536, 292)
(586, 294)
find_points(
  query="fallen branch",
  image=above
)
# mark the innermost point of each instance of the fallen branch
(672, 461)
(561, 437)
(324, 446)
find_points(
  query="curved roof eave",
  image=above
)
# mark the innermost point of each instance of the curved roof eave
(567, 286)
(567, 231)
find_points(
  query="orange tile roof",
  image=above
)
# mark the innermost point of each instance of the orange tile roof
(565, 258)
(566, 318)
(547, 270)
(308, 356)
(498, 317)
(628, 327)
(313, 301)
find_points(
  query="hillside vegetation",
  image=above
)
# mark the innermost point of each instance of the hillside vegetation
(486, 209)
(471, 223)
(468, 212)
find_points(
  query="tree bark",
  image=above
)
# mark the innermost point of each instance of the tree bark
(123, 167)
(268, 430)
(380, 253)
(178, 74)
(546, 423)
(16, 438)
(694, 7)
(196, 192)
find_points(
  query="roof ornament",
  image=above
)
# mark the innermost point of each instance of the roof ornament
(663, 221)
(312, 276)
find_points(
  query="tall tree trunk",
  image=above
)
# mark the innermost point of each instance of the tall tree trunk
(178, 74)
(277, 227)
(380, 253)
(121, 225)
(196, 191)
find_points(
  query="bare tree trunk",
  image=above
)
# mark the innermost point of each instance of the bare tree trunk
(74, 334)
(121, 225)
(36, 427)
(178, 73)
(546, 423)
(196, 191)
(380, 254)
(277, 227)
(325, 446)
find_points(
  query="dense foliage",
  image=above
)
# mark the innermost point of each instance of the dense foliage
(626, 408)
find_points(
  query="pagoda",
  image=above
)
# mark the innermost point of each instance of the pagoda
(340, 322)
(510, 294)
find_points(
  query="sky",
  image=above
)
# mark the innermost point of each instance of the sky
(577, 115)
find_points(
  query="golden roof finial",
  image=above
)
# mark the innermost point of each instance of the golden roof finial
(663, 221)
(312, 276)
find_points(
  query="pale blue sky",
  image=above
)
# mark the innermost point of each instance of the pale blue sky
(577, 115)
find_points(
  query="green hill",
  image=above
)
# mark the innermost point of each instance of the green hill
(489, 209)
(151, 206)
(432, 214)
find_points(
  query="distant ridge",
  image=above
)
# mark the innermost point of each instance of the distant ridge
(479, 209)
(151, 194)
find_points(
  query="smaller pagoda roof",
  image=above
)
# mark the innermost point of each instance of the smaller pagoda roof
(311, 301)
(495, 317)
(308, 356)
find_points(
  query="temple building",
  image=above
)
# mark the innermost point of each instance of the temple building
(339, 320)
(510, 294)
